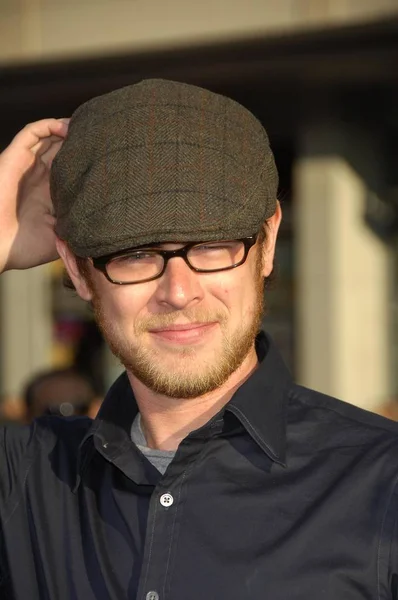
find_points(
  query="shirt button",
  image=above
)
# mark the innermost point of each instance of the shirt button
(166, 500)
(152, 596)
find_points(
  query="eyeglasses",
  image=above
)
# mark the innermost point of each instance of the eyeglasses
(139, 265)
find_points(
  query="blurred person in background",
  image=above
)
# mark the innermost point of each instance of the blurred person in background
(208, 473)
(61, 392)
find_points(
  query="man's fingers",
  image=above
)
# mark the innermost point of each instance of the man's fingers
(34, 133)
(44, 145)
(48, 156)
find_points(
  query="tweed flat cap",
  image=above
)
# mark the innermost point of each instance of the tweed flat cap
(161, 161)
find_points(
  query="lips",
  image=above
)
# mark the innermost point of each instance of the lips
(185, 327)
(187, 333)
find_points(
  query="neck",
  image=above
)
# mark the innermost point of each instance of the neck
(167, 421)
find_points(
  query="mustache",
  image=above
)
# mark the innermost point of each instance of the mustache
(190, 315)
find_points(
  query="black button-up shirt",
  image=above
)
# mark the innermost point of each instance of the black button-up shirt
(285, 494)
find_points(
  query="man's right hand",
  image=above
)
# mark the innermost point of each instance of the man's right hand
(27, 237)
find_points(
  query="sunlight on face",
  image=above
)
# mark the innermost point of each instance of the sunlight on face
(196, 362)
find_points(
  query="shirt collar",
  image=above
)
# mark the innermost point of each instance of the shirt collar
(259, 404)
(112, 425)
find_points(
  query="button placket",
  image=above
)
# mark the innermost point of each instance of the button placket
(162, 533)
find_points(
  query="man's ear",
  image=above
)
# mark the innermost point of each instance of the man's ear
(272, 229)
(78, 280)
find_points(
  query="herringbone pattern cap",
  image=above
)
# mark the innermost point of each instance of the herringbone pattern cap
(161, 161)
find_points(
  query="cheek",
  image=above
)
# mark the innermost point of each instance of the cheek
(221, 290)
(122, 303)
(235, 291)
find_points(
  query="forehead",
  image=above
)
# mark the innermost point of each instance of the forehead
(171, 245)
(248, 242)
(175, 245)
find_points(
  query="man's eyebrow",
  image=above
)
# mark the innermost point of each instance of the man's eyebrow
(160, 244)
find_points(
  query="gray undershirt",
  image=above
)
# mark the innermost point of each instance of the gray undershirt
(159, 458)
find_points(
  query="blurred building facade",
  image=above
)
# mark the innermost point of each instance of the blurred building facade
(322, 77)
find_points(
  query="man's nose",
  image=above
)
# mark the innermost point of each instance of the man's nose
(179, 286)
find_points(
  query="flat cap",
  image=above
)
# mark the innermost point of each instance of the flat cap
(161, 161)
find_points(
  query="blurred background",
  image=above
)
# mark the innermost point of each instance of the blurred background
(322, 76)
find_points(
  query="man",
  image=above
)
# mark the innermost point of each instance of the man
(62, 392)
(208, 473)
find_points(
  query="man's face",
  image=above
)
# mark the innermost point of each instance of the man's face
(184, 334)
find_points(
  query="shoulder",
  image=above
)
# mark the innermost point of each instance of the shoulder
(21, 446)
(14, 440)
(325, 411)
(68, 429)
(43, 431)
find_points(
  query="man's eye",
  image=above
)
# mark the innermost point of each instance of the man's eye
(214, 247)
(142, 255)
(135, 257)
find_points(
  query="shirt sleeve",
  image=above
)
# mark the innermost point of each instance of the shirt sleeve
(14, 444)
(388, 549)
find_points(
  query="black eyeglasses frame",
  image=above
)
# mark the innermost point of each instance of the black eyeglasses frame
(100, 263)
